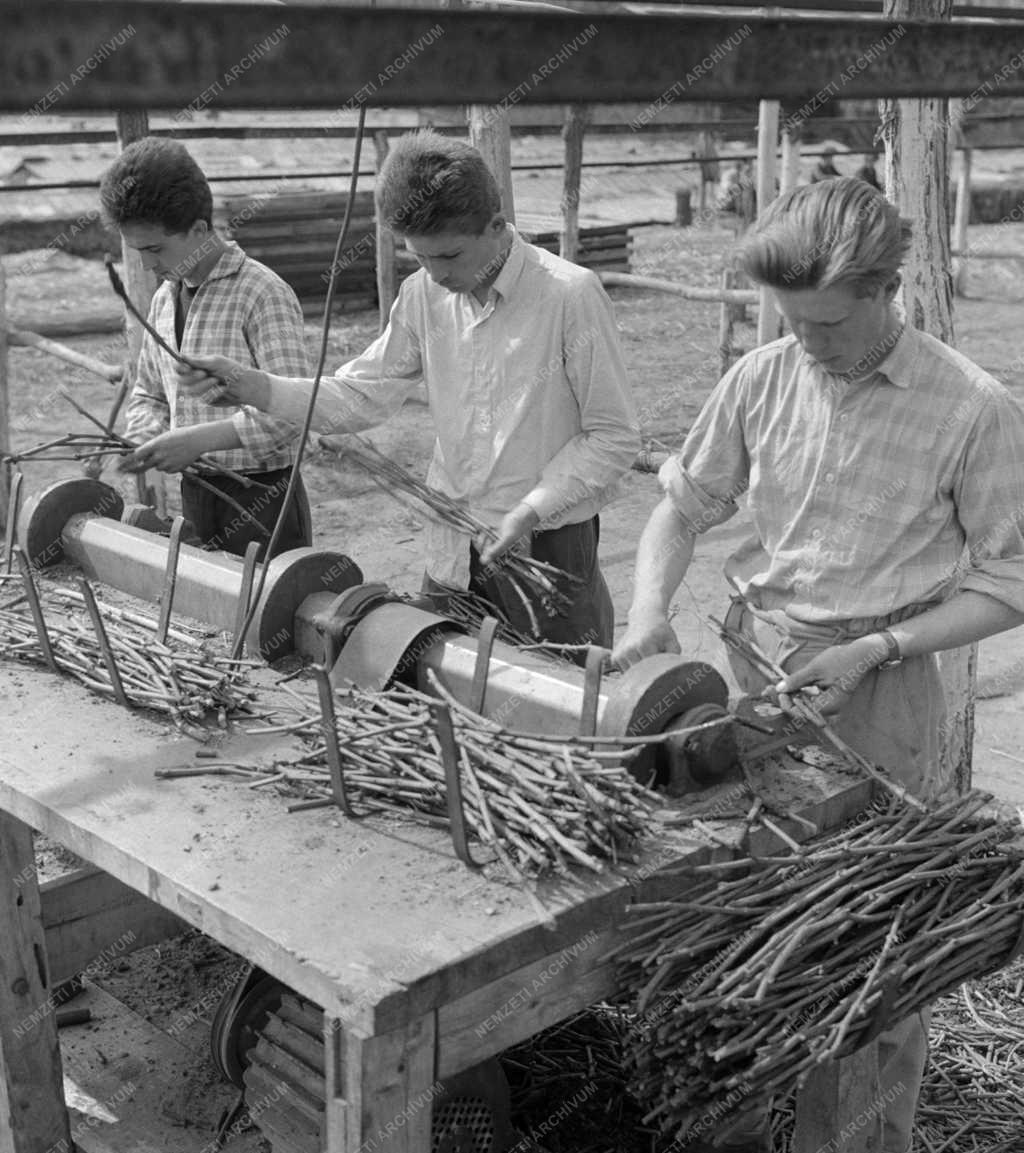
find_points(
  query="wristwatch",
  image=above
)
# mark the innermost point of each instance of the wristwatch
(893, 656)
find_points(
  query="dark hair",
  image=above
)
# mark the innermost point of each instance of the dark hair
(156, 181)
(430, 184)
(840, 231)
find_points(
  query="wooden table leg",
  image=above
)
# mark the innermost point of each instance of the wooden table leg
(381, 1090)
(837, 1108)
(33, 1116)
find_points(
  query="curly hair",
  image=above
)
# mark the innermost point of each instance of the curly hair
(431, 184)
(841, 231)
(156, 181)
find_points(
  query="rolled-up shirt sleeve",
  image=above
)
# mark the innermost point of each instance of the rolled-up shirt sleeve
(989, 496)
(591, 462)
(712, 469)
(365, 391)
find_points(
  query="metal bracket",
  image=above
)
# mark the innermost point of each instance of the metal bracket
(12, 517)
(36, 606)
(596, 656)
(329, 725)
(453, 781)
(481, 670)
(104, 642)
(345, 612)
(170, 579)
(252, 551)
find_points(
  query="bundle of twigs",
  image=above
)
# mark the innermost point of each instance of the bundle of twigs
(183, 680)
(73, 446)
(523, 574)
(764, 969)
(541, 804)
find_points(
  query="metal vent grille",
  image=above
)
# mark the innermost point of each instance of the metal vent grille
(462, 1125)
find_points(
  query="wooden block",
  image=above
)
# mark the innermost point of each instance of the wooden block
(89, 916)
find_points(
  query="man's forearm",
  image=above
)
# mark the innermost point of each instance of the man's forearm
(963, 619)
(663, 556)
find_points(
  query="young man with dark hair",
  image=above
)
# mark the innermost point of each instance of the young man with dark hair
(213, 300)
(885, 485)
(524, 376)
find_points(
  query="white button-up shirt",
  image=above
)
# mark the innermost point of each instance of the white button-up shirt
(528, 394)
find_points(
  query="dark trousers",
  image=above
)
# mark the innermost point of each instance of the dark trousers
(219, 524)
(590, 617)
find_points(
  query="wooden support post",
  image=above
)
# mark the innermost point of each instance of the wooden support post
(768, 321)
(386, 272)
(916, 181)
(5, 409)
(33, 1117)
(573, 131)
(381, 1090)
(789, 174)
(140, 286)
(961, 219)
(490, 133)
(849, 1087)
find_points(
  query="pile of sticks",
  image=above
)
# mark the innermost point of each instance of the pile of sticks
(123, 659)
(541, 804)
(762, 970)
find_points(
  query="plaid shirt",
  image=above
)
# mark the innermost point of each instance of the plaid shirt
(865, 497)
(241, 310)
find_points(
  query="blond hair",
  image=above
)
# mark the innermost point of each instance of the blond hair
(840, 231)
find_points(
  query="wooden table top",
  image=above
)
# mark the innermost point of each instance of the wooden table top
(376, 920)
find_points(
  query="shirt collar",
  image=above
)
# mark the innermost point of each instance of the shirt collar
(898, 366)
(230, 262)
(513, 266)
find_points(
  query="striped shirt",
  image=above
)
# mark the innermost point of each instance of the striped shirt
(241, 310)
(867, 496)
(528, 394)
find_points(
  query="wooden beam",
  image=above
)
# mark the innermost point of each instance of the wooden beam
(387, 273)
(88, 911)
(688, 292)
(5, 407)
(789, 168)
(19, 338)
(164, 55)
(768, 319)
(140, 286)
(572, 135)
(916, 134)
(33, 1118)
(962, 218)
(489, 132)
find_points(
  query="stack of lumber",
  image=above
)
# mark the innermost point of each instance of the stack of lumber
(294, 234)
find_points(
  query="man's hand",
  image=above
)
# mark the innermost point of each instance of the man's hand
(219, 380)
(168, 452)
(646, 635)
(836, 672)
(514, 526)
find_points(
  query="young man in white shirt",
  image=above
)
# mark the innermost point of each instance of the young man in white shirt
(524, 376)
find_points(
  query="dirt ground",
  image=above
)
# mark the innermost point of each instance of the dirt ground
(671, 352)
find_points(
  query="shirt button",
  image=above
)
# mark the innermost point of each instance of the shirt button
(816, 533)
(830, 478)
(844, 417)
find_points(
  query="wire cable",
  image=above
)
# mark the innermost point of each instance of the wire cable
(293, 480)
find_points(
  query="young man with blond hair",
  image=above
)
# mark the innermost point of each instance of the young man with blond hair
(884, 477)
(524, 377)
(212, 299)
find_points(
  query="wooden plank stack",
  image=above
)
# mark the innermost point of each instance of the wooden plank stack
(294, 234)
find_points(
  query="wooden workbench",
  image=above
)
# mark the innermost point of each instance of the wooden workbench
(423, 966)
